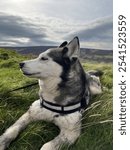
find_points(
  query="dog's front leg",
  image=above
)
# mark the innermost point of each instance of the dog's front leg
(36, 112)
(12, 132)
(70, 128)
(66, 136)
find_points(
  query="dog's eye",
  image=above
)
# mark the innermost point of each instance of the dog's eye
(44, 58)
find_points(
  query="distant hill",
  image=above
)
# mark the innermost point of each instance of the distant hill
(86, 53)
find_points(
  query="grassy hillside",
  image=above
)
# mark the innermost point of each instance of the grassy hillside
(97, 120)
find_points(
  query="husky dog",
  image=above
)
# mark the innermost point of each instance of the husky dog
(65, 91)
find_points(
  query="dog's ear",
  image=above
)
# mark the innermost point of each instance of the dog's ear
(63, 44)
(72, 49)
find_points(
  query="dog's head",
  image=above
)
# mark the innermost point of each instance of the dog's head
(52, 62)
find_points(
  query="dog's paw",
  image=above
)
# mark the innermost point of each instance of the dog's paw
(2, 147)
(48, 146)
(2, 143)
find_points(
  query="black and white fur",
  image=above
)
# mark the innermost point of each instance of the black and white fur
(63, 81)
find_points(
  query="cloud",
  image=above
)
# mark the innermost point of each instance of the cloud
(16, 30)
(23, 31)
(49, 22)
(98, 34)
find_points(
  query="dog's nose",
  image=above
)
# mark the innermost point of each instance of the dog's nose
(21, 64)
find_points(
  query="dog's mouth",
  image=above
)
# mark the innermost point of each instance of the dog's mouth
(31, 74)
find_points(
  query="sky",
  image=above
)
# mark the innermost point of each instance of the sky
(50, 22)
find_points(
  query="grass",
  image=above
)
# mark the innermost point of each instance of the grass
(97, 119)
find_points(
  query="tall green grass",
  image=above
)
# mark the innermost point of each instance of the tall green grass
(96, 122)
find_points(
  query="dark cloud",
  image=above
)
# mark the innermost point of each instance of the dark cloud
(17, 30)
(99, 31)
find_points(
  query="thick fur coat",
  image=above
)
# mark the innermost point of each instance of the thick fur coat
(62, 81)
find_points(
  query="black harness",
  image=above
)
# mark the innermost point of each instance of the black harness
(70, 108)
